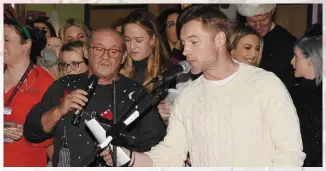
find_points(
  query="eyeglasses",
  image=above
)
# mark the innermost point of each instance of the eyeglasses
(73, 65)
(113, 53)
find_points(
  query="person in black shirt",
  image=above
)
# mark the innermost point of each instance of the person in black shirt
(278, 42)
(308, 98)
(167, 22)
(147, 56)
(51, 118)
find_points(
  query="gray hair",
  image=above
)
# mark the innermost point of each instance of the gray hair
(311, 47)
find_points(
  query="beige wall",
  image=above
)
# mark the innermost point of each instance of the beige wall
(105, 17)
(65, 10)
(293, 18)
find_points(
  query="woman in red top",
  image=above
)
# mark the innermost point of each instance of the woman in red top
(24, 86)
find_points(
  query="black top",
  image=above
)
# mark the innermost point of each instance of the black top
(308, 102)
(148, 130)
(140, 73)
(140, 70)
(278, 53)
(177, 54)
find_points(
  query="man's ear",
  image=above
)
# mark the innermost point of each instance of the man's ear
(124, 57)
(220, 39)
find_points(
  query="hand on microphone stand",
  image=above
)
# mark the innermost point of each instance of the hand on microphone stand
(107, 156)
(164, 109)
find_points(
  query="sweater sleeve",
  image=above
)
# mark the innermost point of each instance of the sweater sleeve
(173, 149)
(283, 123)
(33, 129)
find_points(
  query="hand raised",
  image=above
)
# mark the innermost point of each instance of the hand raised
(74, 100)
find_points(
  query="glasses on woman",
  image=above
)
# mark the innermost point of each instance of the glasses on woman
(113, 53)
(73, 65)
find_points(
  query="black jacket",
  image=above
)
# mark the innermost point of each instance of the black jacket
(277, 55)
(308, 102)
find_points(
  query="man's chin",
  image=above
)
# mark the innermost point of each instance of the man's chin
(195, 72)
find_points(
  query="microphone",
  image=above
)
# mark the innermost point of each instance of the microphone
(90, 88)
(183, 68)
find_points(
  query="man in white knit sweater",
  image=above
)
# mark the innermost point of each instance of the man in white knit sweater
(233, 115)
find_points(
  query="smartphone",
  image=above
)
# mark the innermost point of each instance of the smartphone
(10, 124)
(171, 96)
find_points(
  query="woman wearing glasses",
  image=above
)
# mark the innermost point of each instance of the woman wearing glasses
(24, 85)
(72, 58)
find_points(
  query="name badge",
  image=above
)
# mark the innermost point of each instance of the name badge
(7, 111)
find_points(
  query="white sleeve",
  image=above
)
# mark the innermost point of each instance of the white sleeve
(283, 123)
(173, 149)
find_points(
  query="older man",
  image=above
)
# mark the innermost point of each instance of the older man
(278, 42)
(51, 117)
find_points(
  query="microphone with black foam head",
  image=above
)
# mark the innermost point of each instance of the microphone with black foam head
(183, 68)
(90, 88)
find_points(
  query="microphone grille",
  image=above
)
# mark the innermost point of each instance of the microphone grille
(185, 66)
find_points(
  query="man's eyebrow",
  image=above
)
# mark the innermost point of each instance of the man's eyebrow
(191, 36)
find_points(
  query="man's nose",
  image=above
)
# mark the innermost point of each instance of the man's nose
(258, 26)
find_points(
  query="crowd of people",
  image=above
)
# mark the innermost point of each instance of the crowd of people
(253, 96)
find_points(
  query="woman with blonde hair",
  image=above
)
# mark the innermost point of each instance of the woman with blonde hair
(74, 30)
(246, 45)
(147, 57)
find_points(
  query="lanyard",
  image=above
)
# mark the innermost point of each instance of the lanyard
(22, 79)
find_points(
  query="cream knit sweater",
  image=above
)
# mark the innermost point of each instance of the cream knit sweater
(249, 121)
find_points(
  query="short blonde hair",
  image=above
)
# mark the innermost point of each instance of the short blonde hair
(73, 22)
(241, 31)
